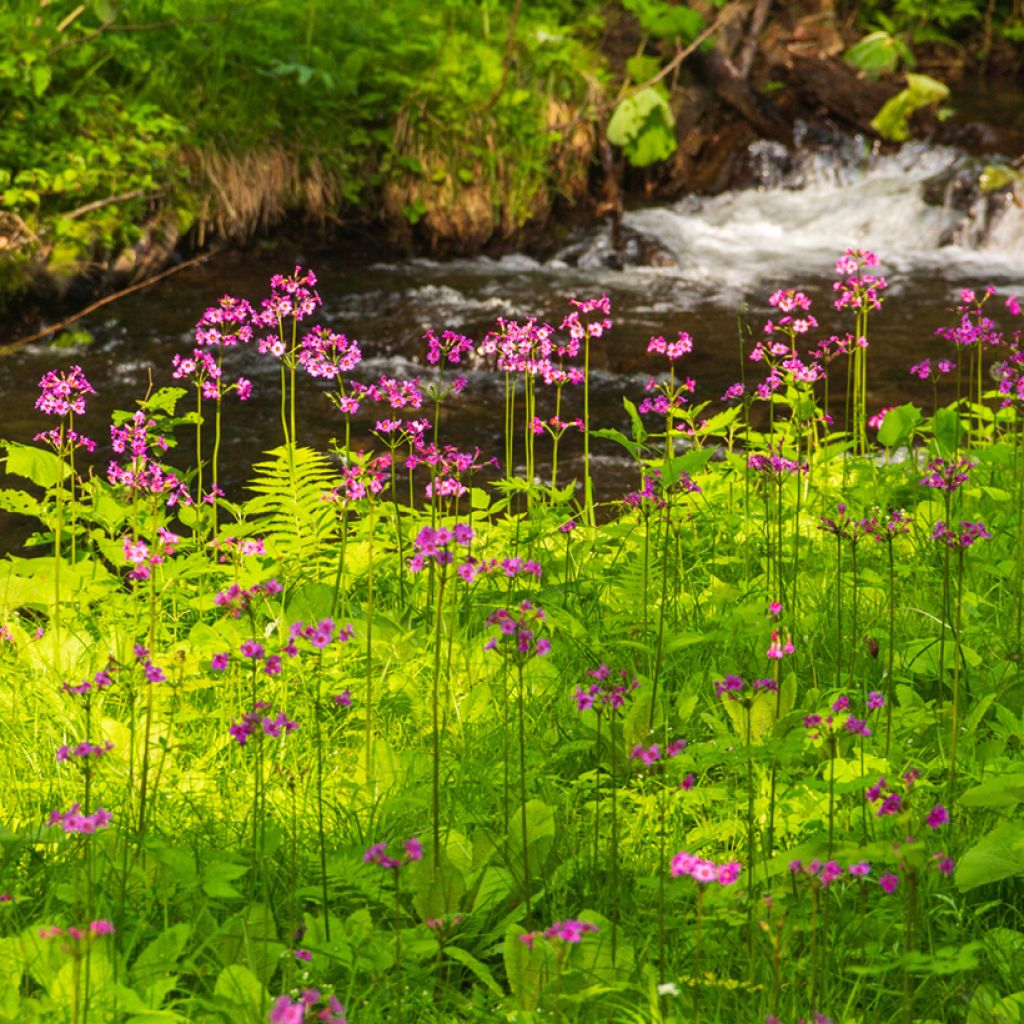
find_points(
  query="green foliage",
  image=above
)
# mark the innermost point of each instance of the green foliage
(879, 53)
(251, 870)
(891, 122)
(644, 127)
(666, 21)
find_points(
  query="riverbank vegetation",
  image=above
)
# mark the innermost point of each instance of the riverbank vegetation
(132, 132)
(409, 732)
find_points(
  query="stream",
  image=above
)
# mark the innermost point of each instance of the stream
(703, 265)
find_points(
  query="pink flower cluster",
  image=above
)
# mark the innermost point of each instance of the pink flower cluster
(569, 930)
(518, 631)
(93, 930)
(254, 720)
(968, 533)
(139, 554)
(64, 393)
(704, 871)
(601, 694)
(73, 820)
(377, 854)
(860, 291)
(285, 1011)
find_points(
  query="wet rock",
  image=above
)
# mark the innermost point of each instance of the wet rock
(605, 251)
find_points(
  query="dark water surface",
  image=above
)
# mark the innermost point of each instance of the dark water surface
(722, 258)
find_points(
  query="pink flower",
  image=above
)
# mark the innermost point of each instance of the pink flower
(889, 882)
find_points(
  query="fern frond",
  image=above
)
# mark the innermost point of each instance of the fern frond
(289, 507)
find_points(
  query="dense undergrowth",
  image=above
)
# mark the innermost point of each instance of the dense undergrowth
(130, 129)
(435, 740)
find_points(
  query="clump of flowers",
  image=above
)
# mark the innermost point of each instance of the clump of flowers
(254, 721)
(287, 1011)
(519, 632)
(568, 931)
(63, 394)
(704, 871)
(603, 694)
(837, 722)
(73, 820)
(377, 854)
(963, 538)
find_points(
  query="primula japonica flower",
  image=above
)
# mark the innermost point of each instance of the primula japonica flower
(775, 464)
(601, 694)
(937, 817)
(93, 930)
(143, 557)
(236, 600)
(377, 854)
(74, 821)
(778, 647)
(253, 721)
(518, 632)
(833, 724)
(704, 871)
(947, 476)
(570, 930)
(61, 440)
(732, 687)
(974, 328)
(650, 755)
(926, 370)
(449, 348)
(439, 544)
(859, 291)
(325, 354)
(964, 538)
(83, 751)
(100, 681)
(64, 393)
(285, 1011)
(889, 882)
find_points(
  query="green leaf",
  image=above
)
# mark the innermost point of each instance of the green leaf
(643, 126)
(161, 955)
(947, 430)
(42, 75)
(480, 970)
(899, 425)
(639, 430)
(998, 855)
(242, 991)
(164, 400)
(665, 20)
(877, 54)
(217, 879)
(1004, 791)
(999, 176)
(36, 464)
(891, 122)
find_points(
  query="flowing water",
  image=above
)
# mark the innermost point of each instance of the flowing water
(718, 259)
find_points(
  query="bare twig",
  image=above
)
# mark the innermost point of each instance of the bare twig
(19, 343)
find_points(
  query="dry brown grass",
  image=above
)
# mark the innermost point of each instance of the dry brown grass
(241, 194)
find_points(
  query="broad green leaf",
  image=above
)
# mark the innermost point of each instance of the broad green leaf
(898, 426)
(878, 53)
(36, 464)
(998, 855)
(242, 991)
(480, 970)
(644, 127)
(947, 430)
(161, 955)
(1004, 791)
(891, 122)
